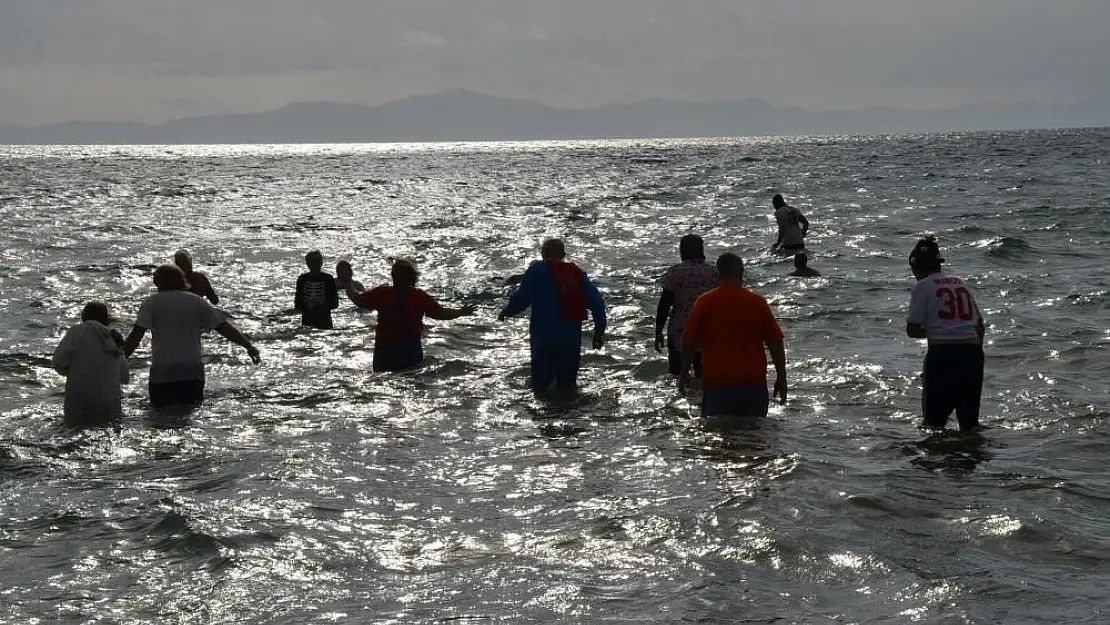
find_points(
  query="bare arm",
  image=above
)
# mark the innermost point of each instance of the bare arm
(805, 224)
(778, 357)
(447, 314)
(210, 293)
(233, 334)
(133, 340)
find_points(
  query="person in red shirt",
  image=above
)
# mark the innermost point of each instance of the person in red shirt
(731, 326)
(401, 310)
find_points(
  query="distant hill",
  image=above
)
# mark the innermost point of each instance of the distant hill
(469, 116)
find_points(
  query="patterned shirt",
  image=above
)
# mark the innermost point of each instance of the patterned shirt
(687, 281)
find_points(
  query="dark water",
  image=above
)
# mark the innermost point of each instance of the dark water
(308, 490)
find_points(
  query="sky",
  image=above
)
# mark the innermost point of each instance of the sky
(154, 60)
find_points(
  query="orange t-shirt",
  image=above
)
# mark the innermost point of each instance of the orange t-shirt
(731, 325)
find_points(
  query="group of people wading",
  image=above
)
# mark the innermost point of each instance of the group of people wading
(712, 326)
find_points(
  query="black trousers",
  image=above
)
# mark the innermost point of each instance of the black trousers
(953, 382)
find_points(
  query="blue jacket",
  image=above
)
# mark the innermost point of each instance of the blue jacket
(537, 289)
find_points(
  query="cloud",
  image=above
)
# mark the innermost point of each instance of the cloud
(157, 59)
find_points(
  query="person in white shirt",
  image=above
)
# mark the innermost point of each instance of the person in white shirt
(91, 358)
(943, 310)
(793, 227)
(177, 319)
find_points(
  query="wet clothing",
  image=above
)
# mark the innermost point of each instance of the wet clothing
(558, 293)
(747, 401)
(315, 298)
(177, 320)
(91, 357)
(790, 227)
(398, 336)
(199, 284)
(732, 326)
(954, 363)
(953, 381)
(187, 393)
(682, 285)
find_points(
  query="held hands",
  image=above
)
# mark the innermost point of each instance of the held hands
(780, 389)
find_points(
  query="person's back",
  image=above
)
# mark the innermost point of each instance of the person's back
(732, 326)
(792, 224)
(316, 294)
(682, 285)
(401, 309)
(177, 320)
(561, 297)
(91, 358)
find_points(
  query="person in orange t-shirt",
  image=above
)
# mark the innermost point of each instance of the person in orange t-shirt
(730, 325)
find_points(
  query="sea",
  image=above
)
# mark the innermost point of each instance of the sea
(309, 489)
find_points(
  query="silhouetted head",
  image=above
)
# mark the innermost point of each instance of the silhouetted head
(182, 259)
(314, 260)
(691, 247)
(801, 261)
(344, 271)
(553, 249)
(96, 311)
(778, 202)
(925, 259)
(404, 274)
(730, 267)
(170, 278)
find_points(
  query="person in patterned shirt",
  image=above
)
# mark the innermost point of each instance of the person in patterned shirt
(682, 284)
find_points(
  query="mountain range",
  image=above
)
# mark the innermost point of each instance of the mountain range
(468, 116)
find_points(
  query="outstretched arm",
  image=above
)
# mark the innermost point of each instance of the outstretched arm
(233, 334)
(133, 340)
(522, 298)
(447, 314)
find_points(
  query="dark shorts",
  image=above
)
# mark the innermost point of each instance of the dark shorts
(953, 381)
(555, 363)
(183, 393)
(395, 355)
(741, 401)
(319, 319)
(674, 359)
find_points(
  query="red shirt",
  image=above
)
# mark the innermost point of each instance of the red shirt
(399, 319)
(731, 325)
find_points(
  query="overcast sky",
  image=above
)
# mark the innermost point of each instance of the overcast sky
(152, 60)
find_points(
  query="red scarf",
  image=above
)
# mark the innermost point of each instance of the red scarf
(568, 288)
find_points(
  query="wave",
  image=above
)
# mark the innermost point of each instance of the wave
(1009, 248)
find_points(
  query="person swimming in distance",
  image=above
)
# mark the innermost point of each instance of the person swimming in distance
(793, 226)
(401, 307)
(91, 358)
(316, 295)
(733, 328)
(199, 284)
(344, 276)
(943, 311)
(682, 285)
(802, 268)
(561, 297)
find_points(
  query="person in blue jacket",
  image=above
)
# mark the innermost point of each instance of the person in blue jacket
(560, 294)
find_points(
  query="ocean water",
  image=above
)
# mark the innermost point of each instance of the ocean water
(310, 490)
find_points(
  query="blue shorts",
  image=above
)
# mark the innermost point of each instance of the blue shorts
(395, 355)
(555, 363)
(741, 401)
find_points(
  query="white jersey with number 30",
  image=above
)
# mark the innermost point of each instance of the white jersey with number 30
(945, 306)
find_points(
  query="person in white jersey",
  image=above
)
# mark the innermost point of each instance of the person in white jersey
(943, 310)
(793, 227)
